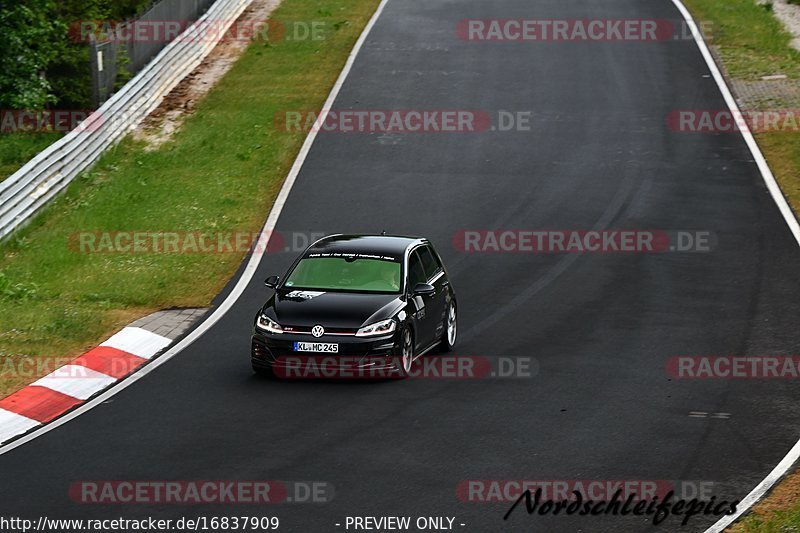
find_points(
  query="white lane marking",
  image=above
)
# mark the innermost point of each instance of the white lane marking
(76, 381)
(138, 341)
(247, 273)
(706, 414)
(794, 454)
(766, 173)
(12, 424)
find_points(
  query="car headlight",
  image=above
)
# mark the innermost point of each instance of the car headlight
(267, 324)
(378, 328)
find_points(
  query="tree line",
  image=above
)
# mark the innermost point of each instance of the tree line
(42, 64)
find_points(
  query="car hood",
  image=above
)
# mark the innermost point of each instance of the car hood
(331, 309)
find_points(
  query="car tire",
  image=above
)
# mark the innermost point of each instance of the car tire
(449, 337)
(406, 359)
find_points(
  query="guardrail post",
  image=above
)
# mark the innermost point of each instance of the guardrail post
(95, 66)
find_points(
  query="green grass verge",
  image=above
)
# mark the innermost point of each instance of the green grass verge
(221, 172)
(776, 521)
(750, 40)
(752, 43)
(16, 149)
(779, 512)
(782, 150)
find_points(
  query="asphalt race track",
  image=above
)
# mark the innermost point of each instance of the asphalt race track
(599, 328)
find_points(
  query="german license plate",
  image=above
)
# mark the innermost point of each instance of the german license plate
(324, 347)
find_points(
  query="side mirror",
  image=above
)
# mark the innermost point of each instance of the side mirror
(272, 282)
(423, 289)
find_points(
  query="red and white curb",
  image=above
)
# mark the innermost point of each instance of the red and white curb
(76, 382)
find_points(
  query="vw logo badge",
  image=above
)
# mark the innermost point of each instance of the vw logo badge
(318, 331)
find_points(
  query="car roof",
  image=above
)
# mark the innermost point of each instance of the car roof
(391, 245)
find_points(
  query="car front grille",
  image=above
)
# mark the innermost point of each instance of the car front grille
(306, 330)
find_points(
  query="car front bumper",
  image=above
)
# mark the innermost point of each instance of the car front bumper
(356, 355)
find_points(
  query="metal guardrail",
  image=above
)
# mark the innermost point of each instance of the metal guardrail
(26, 191)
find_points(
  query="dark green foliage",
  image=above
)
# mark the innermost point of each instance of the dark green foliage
(29, 40)
(43, 62)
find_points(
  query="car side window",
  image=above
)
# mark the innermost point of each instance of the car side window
(429, 262)
(416, 272)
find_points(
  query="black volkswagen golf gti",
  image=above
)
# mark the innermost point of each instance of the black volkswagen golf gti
(364, 303)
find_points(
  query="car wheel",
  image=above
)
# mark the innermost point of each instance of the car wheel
(450, 328)
(406, 353)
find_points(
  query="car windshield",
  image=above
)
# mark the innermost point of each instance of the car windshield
(346, 272)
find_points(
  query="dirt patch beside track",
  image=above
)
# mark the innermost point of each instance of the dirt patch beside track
(167, 118)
